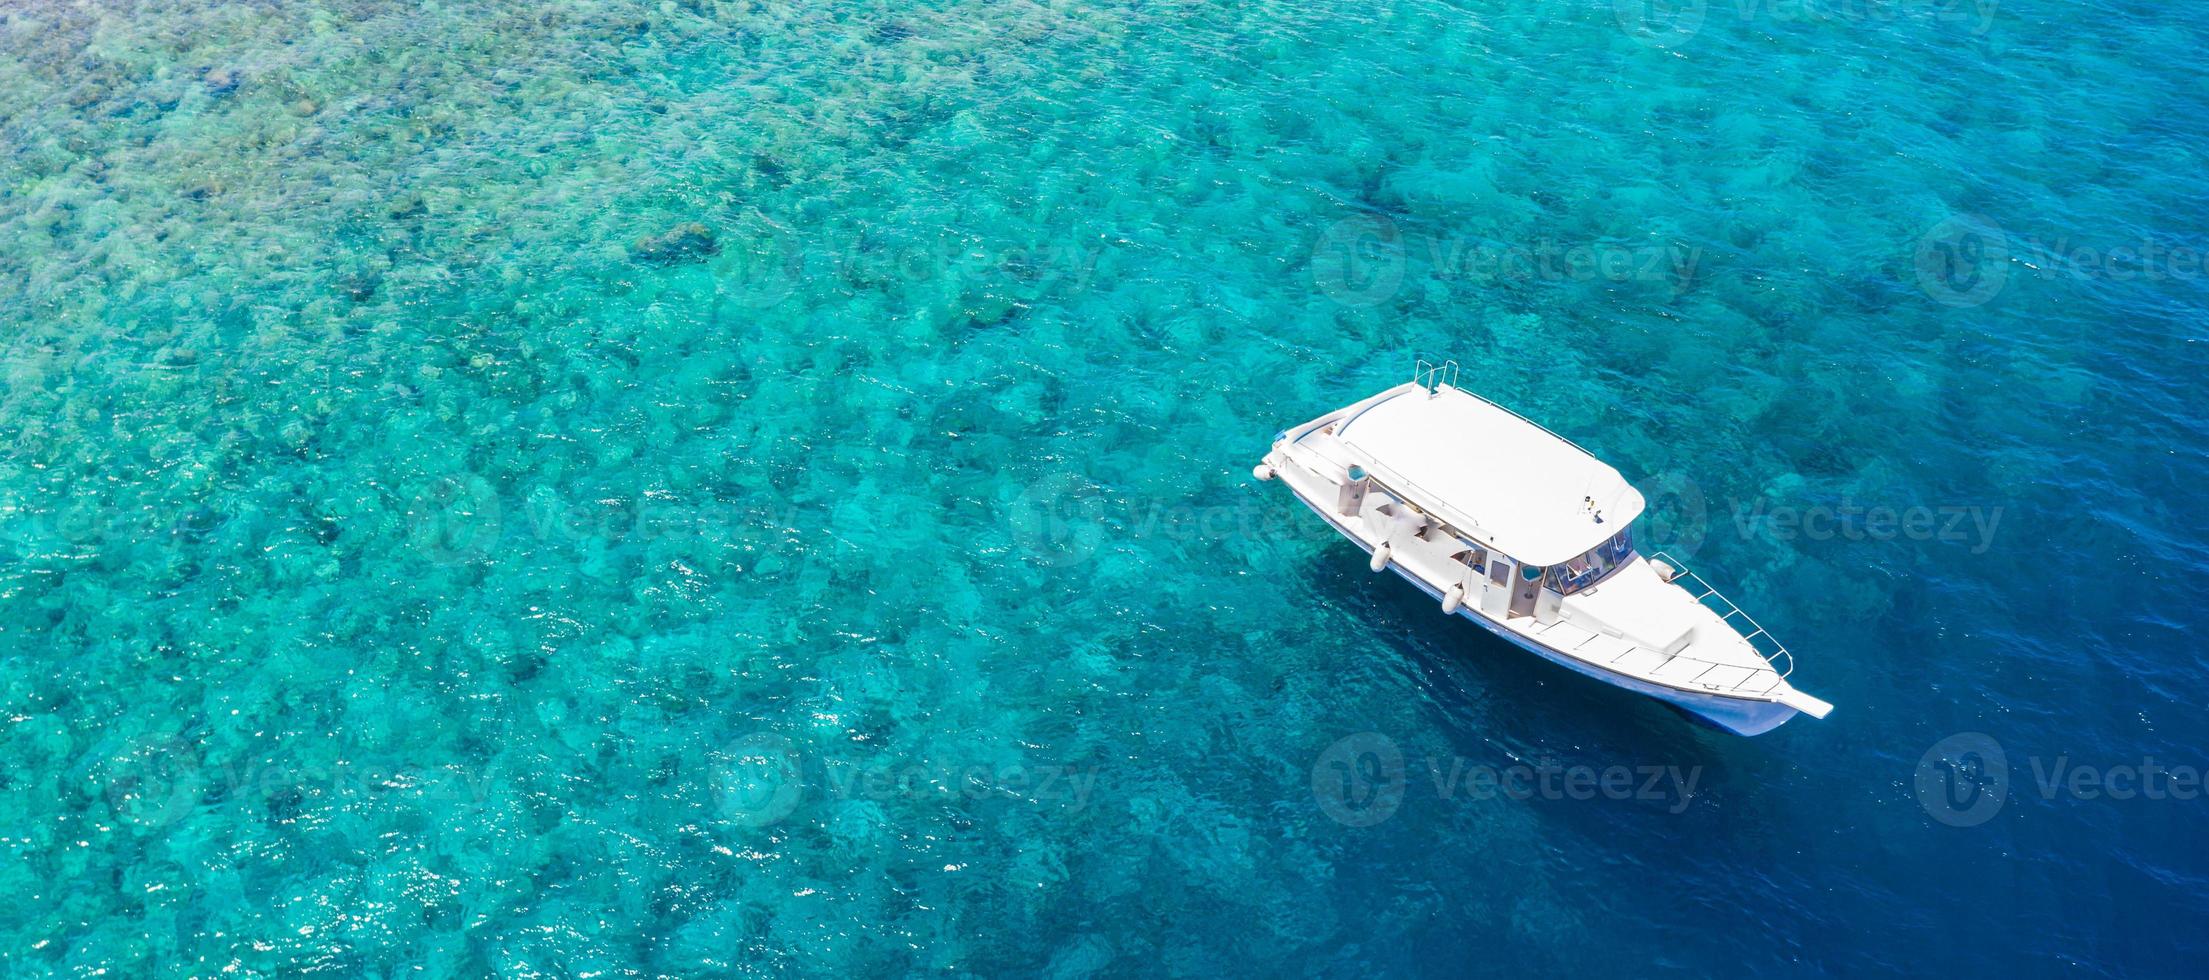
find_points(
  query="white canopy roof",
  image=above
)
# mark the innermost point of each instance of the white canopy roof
(1526, 488)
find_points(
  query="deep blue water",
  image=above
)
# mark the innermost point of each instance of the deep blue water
(422, 550)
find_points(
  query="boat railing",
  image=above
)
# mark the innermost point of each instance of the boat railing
(1772, 650)
(1434, 376)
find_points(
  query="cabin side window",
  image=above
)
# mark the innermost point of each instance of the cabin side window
(1475, 558)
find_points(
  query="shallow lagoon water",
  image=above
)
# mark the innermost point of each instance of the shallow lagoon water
(403, 569)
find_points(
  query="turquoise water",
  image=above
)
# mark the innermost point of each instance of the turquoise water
(420, 549)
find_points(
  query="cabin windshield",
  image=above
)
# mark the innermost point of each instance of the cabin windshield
(1586, 570)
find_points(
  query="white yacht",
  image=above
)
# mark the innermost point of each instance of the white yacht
(1516, 528)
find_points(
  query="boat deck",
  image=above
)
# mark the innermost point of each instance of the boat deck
(1745, 673)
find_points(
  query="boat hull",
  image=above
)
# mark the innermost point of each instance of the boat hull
(1741, 716)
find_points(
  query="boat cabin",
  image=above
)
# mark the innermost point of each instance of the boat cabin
(1533, 516)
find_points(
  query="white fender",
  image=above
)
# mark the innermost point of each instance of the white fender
(1380, 558)
(1452, 598)
(1262, 471)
